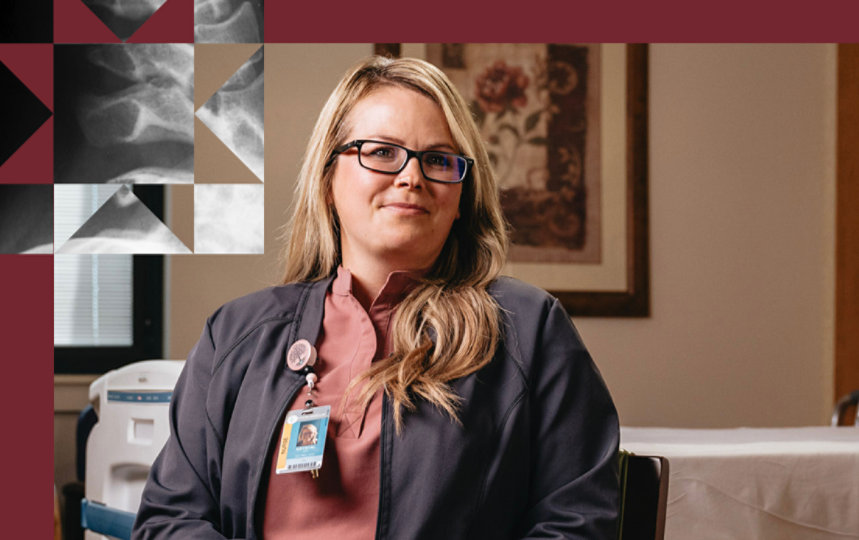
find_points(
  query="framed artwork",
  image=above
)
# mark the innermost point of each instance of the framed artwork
(565, 127)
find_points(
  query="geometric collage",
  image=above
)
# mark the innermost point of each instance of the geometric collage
(107, 110)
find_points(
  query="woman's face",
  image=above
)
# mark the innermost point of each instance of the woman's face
(399, 219)
(306, 436)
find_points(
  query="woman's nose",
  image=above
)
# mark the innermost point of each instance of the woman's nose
(411, 175)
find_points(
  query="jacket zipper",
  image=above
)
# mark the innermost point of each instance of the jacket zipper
(384, 480)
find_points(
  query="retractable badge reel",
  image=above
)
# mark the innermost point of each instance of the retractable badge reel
(302, 440)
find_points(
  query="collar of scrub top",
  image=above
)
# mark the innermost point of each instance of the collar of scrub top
(308, 323)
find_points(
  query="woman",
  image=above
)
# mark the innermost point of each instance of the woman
(459, 404)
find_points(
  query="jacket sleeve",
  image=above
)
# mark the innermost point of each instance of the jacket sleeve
(181, 497)
(574, 489)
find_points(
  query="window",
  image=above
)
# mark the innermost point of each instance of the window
(108, 309)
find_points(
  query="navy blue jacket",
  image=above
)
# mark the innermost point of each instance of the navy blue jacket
(535, 456)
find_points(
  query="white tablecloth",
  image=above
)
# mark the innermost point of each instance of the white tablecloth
(757, 483)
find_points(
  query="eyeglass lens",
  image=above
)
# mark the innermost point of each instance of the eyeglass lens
(440, 166)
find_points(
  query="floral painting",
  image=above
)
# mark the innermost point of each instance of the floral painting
(537, 107)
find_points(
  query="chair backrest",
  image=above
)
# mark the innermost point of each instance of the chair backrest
(839, 418)
(87, 419)
(644, 481)
(132, 405)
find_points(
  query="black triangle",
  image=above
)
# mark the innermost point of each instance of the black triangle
(21, 113)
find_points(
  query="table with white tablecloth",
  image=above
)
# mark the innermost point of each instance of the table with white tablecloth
(757, 483)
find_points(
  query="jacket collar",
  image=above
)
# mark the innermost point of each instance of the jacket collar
(311, 308)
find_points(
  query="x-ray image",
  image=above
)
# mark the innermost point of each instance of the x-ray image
(26, 218)
(229, 218)
(235, 114)
(228, 21)
(124, 17)
(124, 113)
(110, 219)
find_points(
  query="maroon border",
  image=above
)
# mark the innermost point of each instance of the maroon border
(26, 282)
(544, 21)
(26, 327)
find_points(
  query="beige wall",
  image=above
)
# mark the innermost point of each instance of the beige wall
(741, 236)
(741, 217)
(298, 79)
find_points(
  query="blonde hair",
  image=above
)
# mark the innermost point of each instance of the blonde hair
(448, 326)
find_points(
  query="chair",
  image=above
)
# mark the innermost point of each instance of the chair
(846, 402)
(58, 531)
(644, 497)
(73, 492)
(97, 518)
(131, 404)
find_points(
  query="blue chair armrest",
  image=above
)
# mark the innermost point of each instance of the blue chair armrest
(102, 519)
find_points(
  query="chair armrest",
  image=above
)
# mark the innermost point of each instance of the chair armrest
(105, 520)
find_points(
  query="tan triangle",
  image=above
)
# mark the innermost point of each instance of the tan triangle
(181, 212)
(214, 64)
(214, 162)
(226, 113)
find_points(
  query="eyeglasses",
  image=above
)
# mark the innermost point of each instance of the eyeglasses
(390, 158)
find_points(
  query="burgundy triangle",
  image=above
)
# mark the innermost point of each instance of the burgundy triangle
(33, 162)
(76, 23)
(172, 23)
(21, 113)
(33, 65)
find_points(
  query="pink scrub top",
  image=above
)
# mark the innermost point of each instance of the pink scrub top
(344, 501)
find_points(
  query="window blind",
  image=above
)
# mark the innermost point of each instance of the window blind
(93, 294)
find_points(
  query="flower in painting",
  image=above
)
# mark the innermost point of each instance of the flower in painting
(501, 87)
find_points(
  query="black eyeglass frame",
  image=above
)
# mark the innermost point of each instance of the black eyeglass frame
(357, 143)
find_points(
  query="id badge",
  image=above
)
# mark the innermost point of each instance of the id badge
(302, 440)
